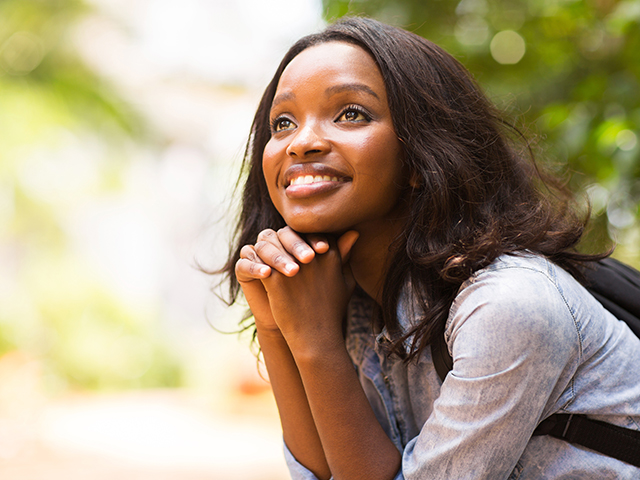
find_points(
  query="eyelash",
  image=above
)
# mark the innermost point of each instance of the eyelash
(358, 109)
(275, 121)
(349, 108)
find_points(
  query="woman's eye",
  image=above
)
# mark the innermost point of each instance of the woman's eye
(353, 115)
(280, 124)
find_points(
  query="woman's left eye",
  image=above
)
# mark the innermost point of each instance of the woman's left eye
(353, 114)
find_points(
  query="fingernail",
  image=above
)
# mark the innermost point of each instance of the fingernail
(264, 270)
(322, 243)
(289, 267)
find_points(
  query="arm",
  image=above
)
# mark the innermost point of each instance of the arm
(309, 308)
(299, 429)
(515, 349)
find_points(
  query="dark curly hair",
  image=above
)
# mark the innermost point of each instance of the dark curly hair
(479, 193)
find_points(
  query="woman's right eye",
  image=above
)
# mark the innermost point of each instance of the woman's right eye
(281, 123)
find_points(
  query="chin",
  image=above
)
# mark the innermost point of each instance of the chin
(314, 227)
(304, 228)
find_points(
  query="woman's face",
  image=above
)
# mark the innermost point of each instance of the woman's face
(333, 162)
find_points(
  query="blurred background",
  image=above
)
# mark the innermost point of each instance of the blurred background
(122, 127)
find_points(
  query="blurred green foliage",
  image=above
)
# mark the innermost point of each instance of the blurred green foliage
(38, 57)
(65, 135)
(575, 86)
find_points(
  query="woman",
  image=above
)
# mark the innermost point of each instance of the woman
(386, 207)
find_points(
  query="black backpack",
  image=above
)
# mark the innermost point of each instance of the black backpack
(617, 287)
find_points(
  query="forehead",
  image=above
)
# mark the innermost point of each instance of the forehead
(332, 63)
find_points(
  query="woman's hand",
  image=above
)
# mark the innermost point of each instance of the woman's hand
(249, 270)
(308, 301)
(282, 251)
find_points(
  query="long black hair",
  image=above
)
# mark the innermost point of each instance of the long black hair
(477, 194)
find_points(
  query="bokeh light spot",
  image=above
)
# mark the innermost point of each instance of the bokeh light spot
(626, 140)
(21, 53)
(507, 47)
(598, 198)
(471, 30)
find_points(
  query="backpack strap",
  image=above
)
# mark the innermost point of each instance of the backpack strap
(617, 287)
(605, 438)
(442, 361)
(612, 440)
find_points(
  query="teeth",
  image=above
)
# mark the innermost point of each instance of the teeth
(309, 179)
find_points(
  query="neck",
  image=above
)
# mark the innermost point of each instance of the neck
(370, 257)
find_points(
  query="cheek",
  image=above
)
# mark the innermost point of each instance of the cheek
(270, 171)
(269, 165)
(385, 158)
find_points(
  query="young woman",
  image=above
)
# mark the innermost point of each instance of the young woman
(386, 207)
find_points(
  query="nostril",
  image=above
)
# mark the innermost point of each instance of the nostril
(293, 152)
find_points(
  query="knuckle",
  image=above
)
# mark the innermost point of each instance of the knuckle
(279, 259)
(299, 245)
(260, 245)
(267, 233)
(241, 269)
(252, 269)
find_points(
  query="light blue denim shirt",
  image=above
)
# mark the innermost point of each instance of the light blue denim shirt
(527, 341)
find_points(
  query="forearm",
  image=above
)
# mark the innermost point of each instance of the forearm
(354, 443)
(328, 423)
(299, 430)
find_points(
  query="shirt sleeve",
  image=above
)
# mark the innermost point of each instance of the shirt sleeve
(296, 469)
(513, 339)
(299, 472)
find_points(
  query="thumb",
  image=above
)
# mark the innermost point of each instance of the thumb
(345, 243)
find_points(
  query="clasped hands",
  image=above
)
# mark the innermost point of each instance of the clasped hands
(297, 288)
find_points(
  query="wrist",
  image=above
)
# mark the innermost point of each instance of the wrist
(268, 332)
(317, 350)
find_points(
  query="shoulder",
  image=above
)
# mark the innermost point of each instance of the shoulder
(522, 281)
(517, 304)
(519, 267)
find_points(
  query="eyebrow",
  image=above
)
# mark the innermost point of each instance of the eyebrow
(350, 86)
(283, 97)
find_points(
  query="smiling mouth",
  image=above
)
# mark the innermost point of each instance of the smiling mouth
(311, 179)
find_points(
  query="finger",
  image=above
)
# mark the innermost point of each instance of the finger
(268, 235)
(276, 257)
(319, 243)
(249, 253)
(295, 245)
(345, 243)
(247, 270)
(271, 250)
(250, 266)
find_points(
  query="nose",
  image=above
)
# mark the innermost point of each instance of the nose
(308, 140)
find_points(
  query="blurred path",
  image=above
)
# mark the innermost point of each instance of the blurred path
(159, 435)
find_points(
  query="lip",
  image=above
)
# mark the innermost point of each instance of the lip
(332, 179)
